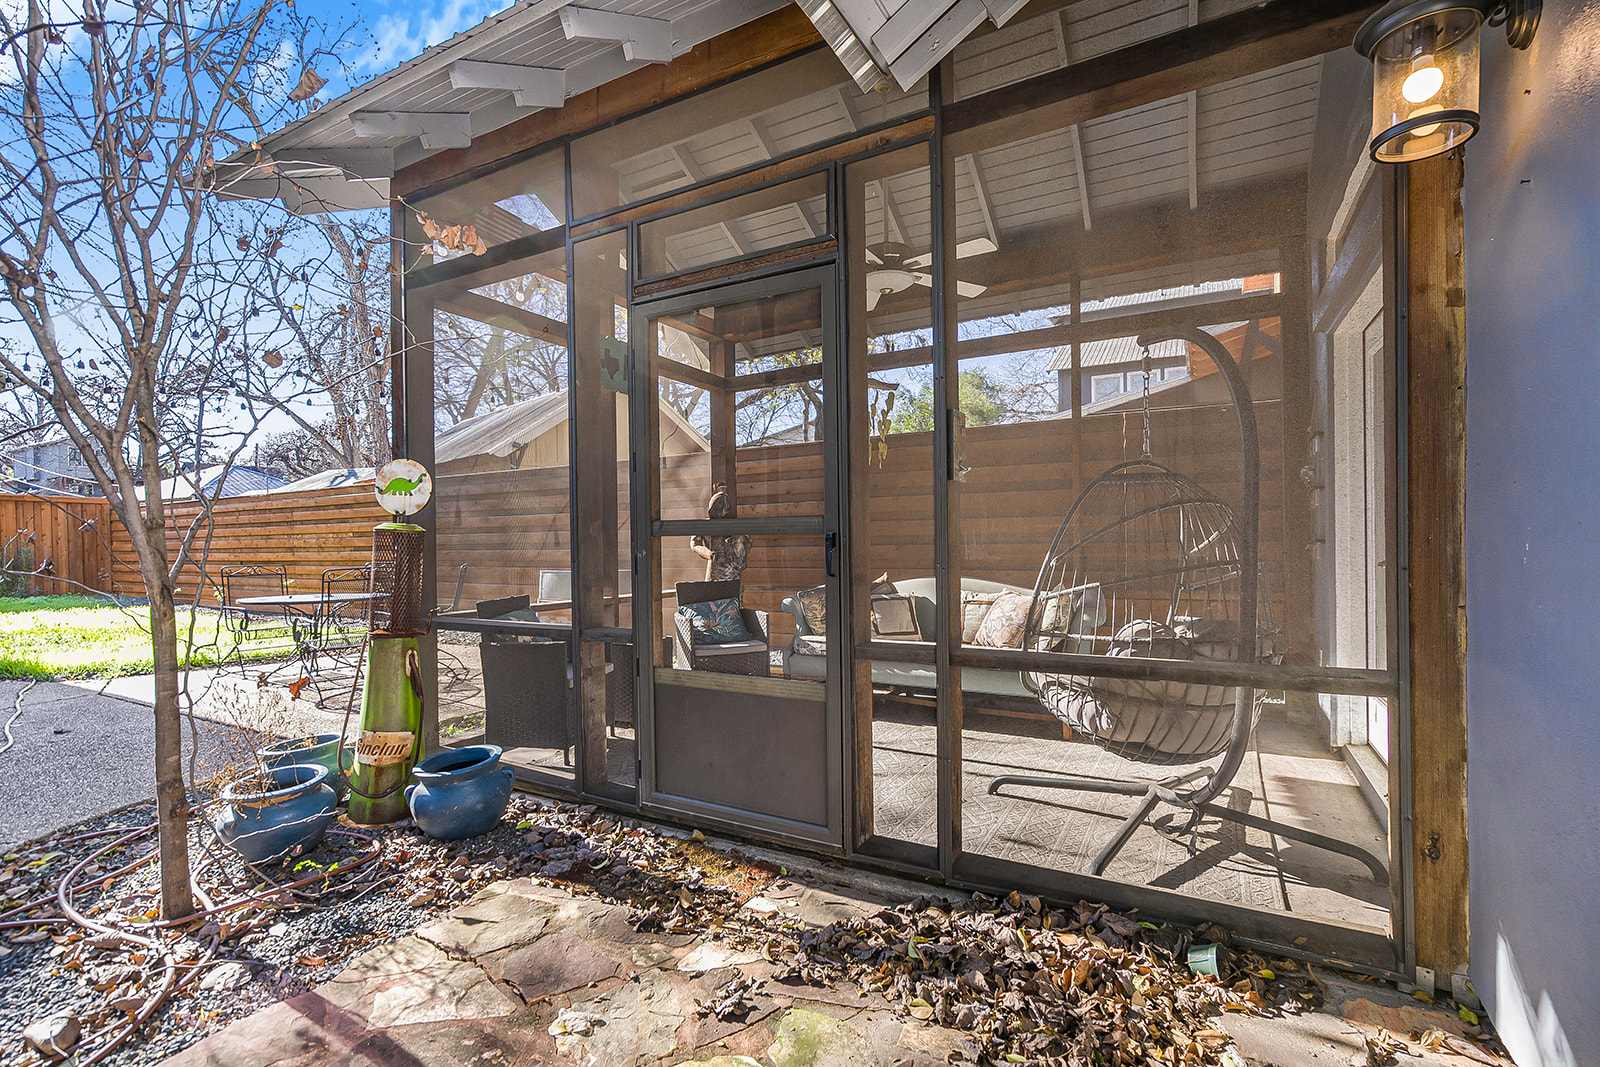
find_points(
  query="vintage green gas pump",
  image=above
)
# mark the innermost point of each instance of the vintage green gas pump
(391, 699)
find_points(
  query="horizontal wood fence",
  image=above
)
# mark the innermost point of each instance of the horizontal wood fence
(67, 539)
(304, 532)
(497, 532)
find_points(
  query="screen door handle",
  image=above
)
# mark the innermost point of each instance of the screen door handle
(830, 542)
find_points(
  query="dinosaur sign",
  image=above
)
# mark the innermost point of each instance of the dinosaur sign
(402, 487)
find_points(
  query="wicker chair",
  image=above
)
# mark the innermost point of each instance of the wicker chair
(740, 657)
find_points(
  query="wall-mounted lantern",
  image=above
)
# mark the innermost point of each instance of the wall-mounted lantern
(1424, 57)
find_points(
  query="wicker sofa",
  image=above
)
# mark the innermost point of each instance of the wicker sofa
(806, 656)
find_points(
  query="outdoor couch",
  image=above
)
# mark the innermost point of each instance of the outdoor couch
(806, 656)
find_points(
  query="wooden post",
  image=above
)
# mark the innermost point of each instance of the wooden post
(724, 444)
(1296, 419)
(596, 282)
(1435, 336)
(858, 543)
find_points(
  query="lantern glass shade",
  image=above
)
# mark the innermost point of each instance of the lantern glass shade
(1425, 85)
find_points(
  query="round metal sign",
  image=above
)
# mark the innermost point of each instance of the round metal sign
(402, 487)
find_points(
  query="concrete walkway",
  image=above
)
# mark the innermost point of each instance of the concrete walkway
(526, 973)
(77, 754)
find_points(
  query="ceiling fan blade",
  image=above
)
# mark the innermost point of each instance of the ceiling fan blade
(978, 246)
(873, 297)
(923, 279)
(971, 289)
(872, 257)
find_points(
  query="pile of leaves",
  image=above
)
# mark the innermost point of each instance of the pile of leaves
(1035, 984)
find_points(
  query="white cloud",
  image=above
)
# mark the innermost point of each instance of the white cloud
(399, 37)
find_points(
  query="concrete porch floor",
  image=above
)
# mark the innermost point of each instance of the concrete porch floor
(1290, 775)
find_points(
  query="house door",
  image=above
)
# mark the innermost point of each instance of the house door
(736, 453)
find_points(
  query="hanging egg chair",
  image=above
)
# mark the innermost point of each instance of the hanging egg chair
(1149, 565)
(1145, 564)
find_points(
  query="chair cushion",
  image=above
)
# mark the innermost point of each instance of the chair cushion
(715, 622)
(1004, 622)
(730, 648)
(810, 645)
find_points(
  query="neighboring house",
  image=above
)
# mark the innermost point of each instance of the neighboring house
(328, 479)
(218, 480)
(51, 467)
(533, 433)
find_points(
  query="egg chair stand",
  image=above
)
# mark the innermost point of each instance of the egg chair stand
(1139, 542)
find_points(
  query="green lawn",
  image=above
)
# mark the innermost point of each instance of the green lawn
(91, 637)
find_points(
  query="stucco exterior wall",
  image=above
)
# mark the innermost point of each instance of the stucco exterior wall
(1533, 538)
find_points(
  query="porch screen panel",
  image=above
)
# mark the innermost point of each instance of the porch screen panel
(515, 202)
(891, 470)
(605, 585)
(741, 406)
(740, 227)
(772, 113)
(502, 509)
(1138, 259)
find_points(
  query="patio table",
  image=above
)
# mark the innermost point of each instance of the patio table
(308, 606)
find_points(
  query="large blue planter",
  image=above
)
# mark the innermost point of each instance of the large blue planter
(319, 750)
(286, 820)
(460, 792)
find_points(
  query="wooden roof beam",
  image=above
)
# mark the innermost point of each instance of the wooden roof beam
(437, 129)
(529, 86)
(643, 39)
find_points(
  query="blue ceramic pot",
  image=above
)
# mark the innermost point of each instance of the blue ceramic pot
(319, 750)
(286, 820)
(460, 792)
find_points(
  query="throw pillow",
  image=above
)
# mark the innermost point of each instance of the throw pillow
(814, 606)
(894, 617)
(1003, 626)
(974, 606)
(715, 622)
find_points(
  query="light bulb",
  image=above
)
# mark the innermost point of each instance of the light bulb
(1424, 81)
(1431, 128)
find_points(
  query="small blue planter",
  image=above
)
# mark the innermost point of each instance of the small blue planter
(460, 792)
(319, 750)
(286, 820)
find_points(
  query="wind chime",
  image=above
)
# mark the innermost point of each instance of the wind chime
(391, 698)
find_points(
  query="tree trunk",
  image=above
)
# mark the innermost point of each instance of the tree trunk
(172, 803)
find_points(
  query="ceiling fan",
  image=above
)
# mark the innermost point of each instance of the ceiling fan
(894, 269)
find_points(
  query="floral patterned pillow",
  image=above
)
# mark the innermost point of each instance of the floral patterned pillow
(1003, 626)
(715, 622)
(974, 606)
(814, 606)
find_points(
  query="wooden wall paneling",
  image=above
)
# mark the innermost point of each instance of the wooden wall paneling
(1434, 326)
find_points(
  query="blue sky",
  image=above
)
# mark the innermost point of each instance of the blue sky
(392, 31)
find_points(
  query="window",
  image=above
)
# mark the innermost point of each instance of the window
(516, 201)
(1104, 387)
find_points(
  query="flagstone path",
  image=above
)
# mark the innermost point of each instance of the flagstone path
(527, 974)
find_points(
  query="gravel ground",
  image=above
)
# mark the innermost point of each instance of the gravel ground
(284, 950)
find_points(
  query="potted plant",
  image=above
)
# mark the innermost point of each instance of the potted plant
(278, 812)
(319, 750)
(460, 792)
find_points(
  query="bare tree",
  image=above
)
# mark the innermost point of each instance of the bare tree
(133, 289)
